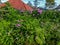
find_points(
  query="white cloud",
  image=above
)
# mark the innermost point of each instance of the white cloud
(57, 1)
(4, 1)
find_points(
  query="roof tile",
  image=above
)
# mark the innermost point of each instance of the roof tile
(18, 4)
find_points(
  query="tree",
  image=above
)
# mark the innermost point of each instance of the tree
(36, 2)
(29, 3)
(50, 2)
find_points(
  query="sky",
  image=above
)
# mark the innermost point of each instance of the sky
(41, 4)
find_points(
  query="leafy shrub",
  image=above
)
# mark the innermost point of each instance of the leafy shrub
(25, 28)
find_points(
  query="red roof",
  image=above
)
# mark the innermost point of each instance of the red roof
(18, 4)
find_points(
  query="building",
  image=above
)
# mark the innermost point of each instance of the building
(18, 4)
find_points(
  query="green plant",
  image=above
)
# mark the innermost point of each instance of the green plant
(17, 28)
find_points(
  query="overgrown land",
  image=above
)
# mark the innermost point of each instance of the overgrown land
(29, 28)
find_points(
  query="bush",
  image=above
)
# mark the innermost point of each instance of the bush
(17, 28)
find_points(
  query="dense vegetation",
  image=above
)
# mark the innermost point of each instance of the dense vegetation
(26, 28)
